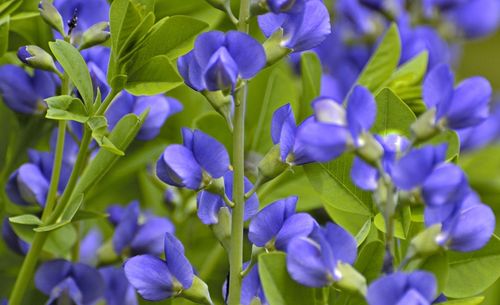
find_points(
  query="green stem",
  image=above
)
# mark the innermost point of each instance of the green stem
(236, 252)
(107, 101)
(56, 171)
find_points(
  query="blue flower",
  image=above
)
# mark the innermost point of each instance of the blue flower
(281, 6)
(157, 279)
(29, 184)
(195, 163)
(415, 167)
(418, 287)
(118, 290)
(219, 59)
(89, 246)
(277, 224)
(312, 261)
(334, 128)
(465, 226)
(160, 108)
(356, 20)
(446, 184)
(366, 176)
(80, 283)
(460, 107)
(11, 239)
(303, 29)
(209, 203)
(139, 235)
(24, 93)
(487, 132)
(475, 18)
(88, 12)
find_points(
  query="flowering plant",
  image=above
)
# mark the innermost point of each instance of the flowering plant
(297, 152)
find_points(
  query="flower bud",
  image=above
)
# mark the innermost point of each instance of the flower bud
(198, 292)
(221, 103)
(350, 279)
(274, 48)
(271, 165)
(426, 242)
(51, 16)
(95, 35)
(222, 229)
(370, 149)
(37, 58)
(424, 127)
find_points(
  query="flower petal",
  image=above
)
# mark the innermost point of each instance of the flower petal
(247, 52)
(177, 166)
(127, 228)
(210, 154)
(89, 282)
(177, 262)
(364, 175)
(150, 276)
(283, 129)
(304, 263)
(150, 235)
(298, 225)
(342, 243)
(50, 274)
(206, 45)
(438, 88)
(361, 111)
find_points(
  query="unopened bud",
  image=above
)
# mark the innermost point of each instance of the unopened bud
(36, 57)
(271, 165)
(222, 104)
(350, 279)
(198, 292)
(95, 35)
(370, 149)
(426, 243)
(425, 127)
(274, 48)
(51, 16)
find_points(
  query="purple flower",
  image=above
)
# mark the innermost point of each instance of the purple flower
(80, 283)
(475, 18)
(11, 239)
(418, 287)
(366, 176)
(195, 163)
(24, 93)
(488, 131)
(356, 19)
(209, 203)
(160, 108)
(446, 184)
(219, 59)
(335, 128)
(140, 236)
(156, 279)
(29, 184)
(89, 246)
(118, 290)
(460, 107)
(415, 167)
(303, 29)
(277, 224)
(466, 226)
(281, 6)
(88, 12)
(312, 261)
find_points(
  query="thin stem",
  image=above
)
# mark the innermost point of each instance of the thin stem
(56, 171)
(107, 101)
(236, 253)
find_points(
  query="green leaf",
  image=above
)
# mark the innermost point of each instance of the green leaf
(136, 36)
(410, 73)
(383, 62)
(4, 34)
(124, 17)
(8, 7)
(74, 65)
(26, 219)
(65, 107)
(393, 115)
(156, 76)
(98, 125)
(311, 82)
(67, 215)
(473, 272)
(59, 242)
(279, 288)
(346, 204)
(468, 301)
(438, 265)
(178, 42)
(370, 260)
(82, 214)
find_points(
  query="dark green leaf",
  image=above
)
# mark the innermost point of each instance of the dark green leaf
(473, 272)
(156, 76)
(393, 115)
(4, 34)
(65, 107)
(279, 288)
(74, 65)
(311, 82)
(383, 62)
